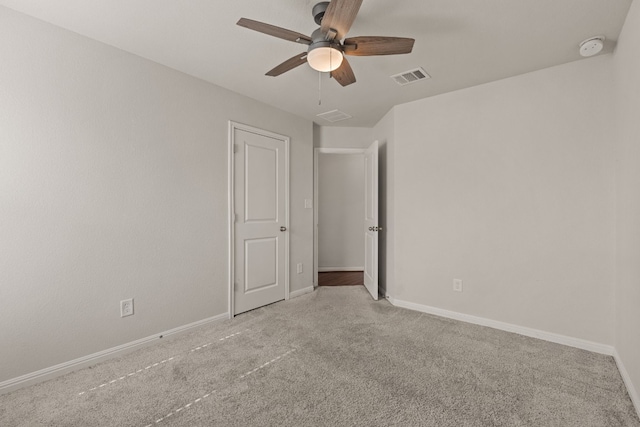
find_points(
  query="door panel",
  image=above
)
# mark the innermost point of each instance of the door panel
(260, 203)
(260, 264)
(261, 184)
(371, 220)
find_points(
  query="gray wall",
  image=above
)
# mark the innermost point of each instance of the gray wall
(627, 320)
(509, 186)
(341, 137)
(113, 185)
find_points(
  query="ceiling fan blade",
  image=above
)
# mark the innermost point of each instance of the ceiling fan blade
(339, 16)
(344, 74)
(289, 64)
(272, 30)
(369, 46)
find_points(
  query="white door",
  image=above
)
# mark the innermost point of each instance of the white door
(260, 195)
(371, 219)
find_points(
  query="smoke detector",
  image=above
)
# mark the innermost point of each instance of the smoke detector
(592, 46)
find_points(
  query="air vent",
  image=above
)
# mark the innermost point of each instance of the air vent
(411, 76)
(334, 116)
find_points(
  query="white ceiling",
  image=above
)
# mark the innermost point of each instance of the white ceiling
(460, 43)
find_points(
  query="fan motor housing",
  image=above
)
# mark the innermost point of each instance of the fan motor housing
(319, 10)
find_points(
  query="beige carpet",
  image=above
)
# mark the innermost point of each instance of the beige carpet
(335, 358)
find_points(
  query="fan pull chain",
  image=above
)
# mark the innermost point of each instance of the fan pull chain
(319, 88)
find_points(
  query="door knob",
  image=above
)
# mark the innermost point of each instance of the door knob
(283, 228)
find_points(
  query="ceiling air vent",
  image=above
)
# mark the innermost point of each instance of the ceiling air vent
(334, 116)
(411, 76)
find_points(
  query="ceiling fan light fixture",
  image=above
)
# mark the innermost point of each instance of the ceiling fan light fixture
(325, 49)
(324, 57)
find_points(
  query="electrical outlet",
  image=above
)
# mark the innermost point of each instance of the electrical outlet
(126, 307)
(299, 268)
(457, 285)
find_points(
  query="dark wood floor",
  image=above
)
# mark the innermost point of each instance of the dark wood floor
(341, 278)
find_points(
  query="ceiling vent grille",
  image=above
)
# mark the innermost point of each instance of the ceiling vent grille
(334, 116)
(410, 76)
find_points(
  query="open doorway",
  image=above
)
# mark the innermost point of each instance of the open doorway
(340, 219)
(346, 213)
(340, 207)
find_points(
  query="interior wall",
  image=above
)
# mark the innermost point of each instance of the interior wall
(342, 137)
(340, 212)
(113, 185)
(627, 73)
(509, 186)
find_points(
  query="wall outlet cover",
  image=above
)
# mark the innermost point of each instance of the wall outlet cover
(126, 307)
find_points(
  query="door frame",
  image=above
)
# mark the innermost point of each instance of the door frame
(316, 174)
(231, 205)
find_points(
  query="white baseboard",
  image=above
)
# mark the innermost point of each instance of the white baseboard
(85, 361)
(301, 292)
(633, 393)
(529, 332)
(329, 269)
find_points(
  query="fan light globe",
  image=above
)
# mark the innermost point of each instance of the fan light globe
(324, 58)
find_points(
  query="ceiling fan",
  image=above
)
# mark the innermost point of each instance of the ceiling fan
(325, 50)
